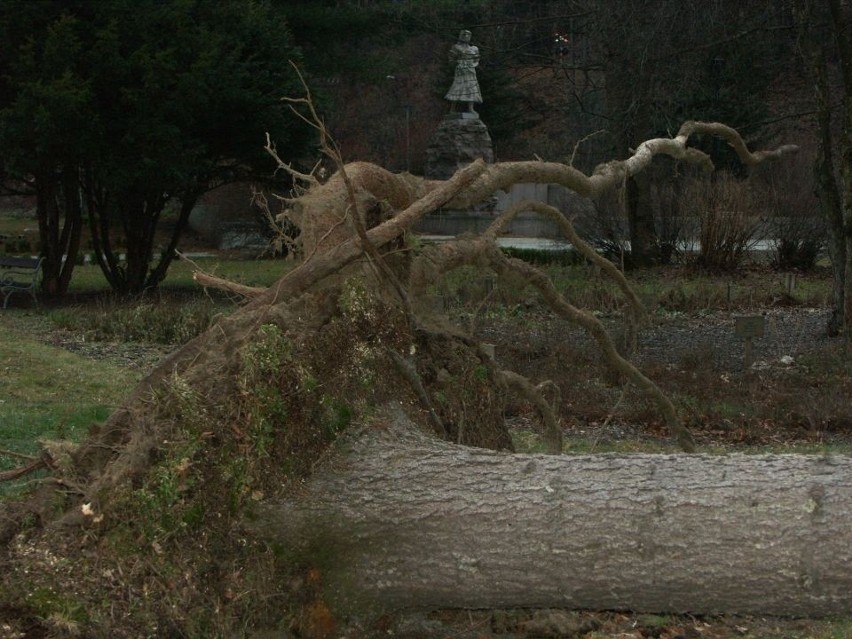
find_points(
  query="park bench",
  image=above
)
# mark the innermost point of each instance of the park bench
(19, 275)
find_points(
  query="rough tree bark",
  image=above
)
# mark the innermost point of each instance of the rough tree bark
(406, 521)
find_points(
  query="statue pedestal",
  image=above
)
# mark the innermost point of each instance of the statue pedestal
(460, 139)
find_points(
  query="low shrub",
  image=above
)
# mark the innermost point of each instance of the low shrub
(795, 223)
(160, 322)
(792, 253)
(567, 257)
(727, 217)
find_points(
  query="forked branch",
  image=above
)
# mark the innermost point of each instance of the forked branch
(483, 251)
(612, 174)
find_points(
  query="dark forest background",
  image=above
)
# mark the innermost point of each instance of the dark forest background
(561, 80)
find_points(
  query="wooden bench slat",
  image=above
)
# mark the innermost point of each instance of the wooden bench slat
(20, 262)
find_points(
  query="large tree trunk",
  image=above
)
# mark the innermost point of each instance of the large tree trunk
(840, 23)
(404, 521)
(628, 87)
(60, 221)
(835, 197)
(644, 243)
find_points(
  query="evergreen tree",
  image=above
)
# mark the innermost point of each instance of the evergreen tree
(131, 105)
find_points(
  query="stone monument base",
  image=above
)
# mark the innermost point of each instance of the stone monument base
(459, 139)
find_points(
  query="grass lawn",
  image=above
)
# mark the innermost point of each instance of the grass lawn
(48, 392)
(251, 272)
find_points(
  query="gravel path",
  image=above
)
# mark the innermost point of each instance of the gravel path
(788, 332)
(678, 338)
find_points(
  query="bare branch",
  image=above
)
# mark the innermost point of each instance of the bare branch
(612, 174)
(36, 463)
(580, 141)
(14, 455)
(584, 248)
(734, 140)
(596, 329)
(553, 432)
(207, 279)
(484, 251)
(407, 369)
(311, 271)
(304, 177)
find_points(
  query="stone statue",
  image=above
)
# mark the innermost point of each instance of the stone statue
(465, 87)
(461, 136)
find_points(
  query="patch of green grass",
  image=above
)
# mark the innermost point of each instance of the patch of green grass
(656, 621)
(527, 441)
(89, 278)
(49, 393)
(530, 442)
(17, 224)
(167, 321)
(39, 373)
(338, 415)
(21, 234)
(790, 448)
(57, 609)
(800, 629)
(841, 629)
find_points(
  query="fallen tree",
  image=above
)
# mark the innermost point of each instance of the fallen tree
(186, 501)
(402, 520)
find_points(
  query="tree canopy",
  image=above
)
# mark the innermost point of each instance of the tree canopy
(132, 105)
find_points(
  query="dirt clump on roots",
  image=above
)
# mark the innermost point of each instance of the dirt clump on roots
(149, 536)
(142, 530)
